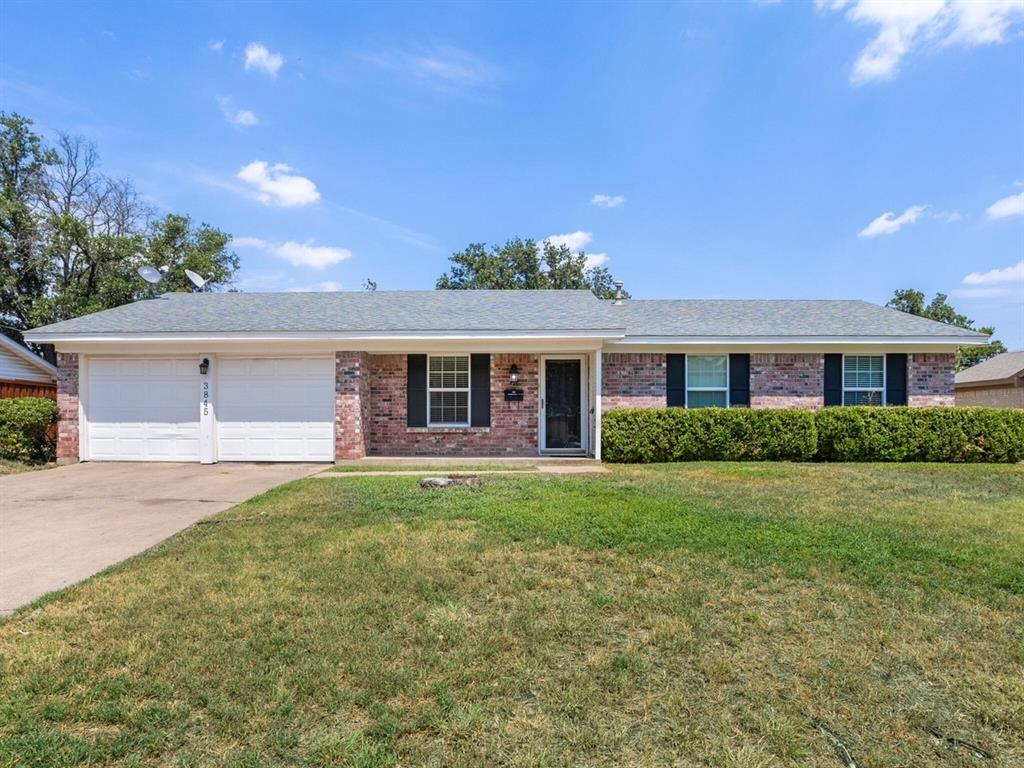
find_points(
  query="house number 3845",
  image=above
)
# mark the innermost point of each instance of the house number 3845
(206, 398)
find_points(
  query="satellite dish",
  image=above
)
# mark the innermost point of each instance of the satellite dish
(197, 280)
(150, 275)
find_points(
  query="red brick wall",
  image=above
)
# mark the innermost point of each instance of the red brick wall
(351, 404)
(633, 380)
(513, 430)
(787, 380)
(67, 406)
(930, 378)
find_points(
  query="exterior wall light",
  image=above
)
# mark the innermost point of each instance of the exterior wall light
(513, 374)
(204, 367)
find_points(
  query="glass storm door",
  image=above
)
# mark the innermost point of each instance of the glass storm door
(563, 412)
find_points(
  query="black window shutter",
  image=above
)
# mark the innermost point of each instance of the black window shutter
(896, 379)
(480, 390)
(416, 391)
(739, 380)
(833, 379)
(675, 381)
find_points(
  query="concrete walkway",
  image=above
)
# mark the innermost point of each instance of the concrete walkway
(553, 469)
(59, 526)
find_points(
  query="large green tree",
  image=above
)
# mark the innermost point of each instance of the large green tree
(72, 238)
(913, 302)
(525, 263)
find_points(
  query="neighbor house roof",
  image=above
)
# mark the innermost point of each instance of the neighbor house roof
(995, 369)
(21, 357)
(528, 312)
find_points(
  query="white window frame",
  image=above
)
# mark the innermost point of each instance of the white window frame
(881, 390)
(468, 389)
(686, 396)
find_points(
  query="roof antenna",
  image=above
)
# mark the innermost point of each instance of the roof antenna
(618, 293)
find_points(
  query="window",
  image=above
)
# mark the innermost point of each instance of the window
(448, 391)
(863, 379)
(707, 381)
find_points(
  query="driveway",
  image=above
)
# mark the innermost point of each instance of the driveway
(59, 526)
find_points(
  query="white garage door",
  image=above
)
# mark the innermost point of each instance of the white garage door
(143, 410)
(275, 409)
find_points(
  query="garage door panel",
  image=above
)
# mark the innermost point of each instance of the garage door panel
(143, 409)
(275, 409)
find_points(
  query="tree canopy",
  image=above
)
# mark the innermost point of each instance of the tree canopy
(524, 263)
(72, 238)
(913, 302)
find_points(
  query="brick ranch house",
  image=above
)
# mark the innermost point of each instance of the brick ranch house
(213, 377)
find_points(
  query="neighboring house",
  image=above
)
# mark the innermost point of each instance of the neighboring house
(997, 382)
(326, 376)
(24, 373)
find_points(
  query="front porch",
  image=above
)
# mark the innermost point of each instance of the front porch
(463, 406)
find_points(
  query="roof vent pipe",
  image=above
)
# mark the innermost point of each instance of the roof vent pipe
(618, 293)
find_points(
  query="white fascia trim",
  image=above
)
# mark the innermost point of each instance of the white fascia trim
(747, 341)
(45, 338)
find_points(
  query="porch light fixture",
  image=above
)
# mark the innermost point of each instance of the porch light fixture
(204, 367)
(513, 374)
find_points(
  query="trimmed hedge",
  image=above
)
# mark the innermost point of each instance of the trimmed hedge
(634, 435)
(641, 435)
(921, 434)
(28, 429)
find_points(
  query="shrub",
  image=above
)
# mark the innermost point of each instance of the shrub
(635, 435)
(27, 429)
(920, 434)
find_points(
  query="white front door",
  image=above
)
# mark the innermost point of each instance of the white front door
(142, 409)
(274, 409)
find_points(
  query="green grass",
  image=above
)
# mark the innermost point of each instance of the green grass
(693, 615)
(9, 467)
(443, 468)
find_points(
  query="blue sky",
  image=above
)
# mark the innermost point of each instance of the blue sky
(837, 150)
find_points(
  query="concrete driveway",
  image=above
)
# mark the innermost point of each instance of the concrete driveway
(59, 526)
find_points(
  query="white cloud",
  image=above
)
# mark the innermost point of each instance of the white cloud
(326, 285)
(297, 254)
(275, 185)
(308, 255)
(889, 223)
(575, 241)
(904, 25)
(1012, 205)
(250, 242)
(217, 46)
(244, 118)
(607, 201)
(1014, 274)
(444, 67)
(258, 56)
(948, 217)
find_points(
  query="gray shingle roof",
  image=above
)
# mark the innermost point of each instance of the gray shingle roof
(509, 311)
(347, 311)
(774, 317)
(996, 368)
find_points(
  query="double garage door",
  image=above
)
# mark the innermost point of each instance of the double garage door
(262, 409)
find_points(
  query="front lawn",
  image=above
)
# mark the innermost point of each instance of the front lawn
(691, 615)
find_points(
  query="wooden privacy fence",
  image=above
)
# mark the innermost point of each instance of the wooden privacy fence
(27, 389)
